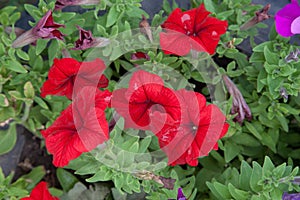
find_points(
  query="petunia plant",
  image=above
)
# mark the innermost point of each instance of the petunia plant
(170, 106)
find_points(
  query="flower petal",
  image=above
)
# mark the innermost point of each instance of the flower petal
(285, 17)
(295, 26)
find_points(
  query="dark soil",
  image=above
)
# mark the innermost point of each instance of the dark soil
(33, 155)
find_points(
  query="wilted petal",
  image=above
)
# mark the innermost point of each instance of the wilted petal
(86, 40)
(46, 28)
(145, 28)
(239, 104)
(60, 4)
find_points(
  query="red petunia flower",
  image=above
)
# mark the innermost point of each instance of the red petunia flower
(40, 192)
(192, 29)
(64, 72)
(80, 127)
(197, 133)
(145, 95)
(46, 28)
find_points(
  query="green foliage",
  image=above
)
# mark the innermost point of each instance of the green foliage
(256, 182)
(18, 189)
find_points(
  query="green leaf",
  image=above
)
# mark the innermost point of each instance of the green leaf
(101, 175)
(209, 5)
(231, 150)
(53, 51)
(268, 166)
(8, 139)
(271, 58)
(66, 179)
(283, 121)
(6, 113)
(21, 54)
(3, 101)
(222, 190)
(253, 130)
(113, 15)
(41, 44)
(256, 176)
(34, 177)
(41, 102)
(237, 193)
(244, 178)
(15, 66)
(144, 144)
(29, 90)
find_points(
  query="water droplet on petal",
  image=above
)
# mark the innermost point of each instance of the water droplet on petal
(185, 17)
(135, 86)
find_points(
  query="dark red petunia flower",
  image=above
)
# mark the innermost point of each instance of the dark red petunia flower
(40, 192)
(192, 29)
(46, 28)
(80, 127)
(197, 133)
(64, 72)
(139, 55)
(145, 95)
(86, 40)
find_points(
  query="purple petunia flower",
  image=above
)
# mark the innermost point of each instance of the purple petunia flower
(180, 195)
(287, 20)
(287, 196)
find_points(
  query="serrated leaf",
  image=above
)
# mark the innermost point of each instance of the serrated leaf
(100, 176)
(256, 176)
(268, 165)
(244, 178)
